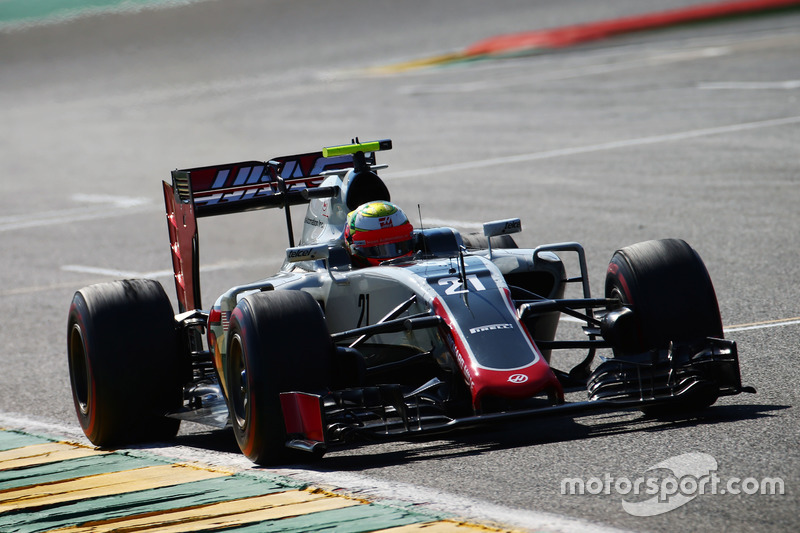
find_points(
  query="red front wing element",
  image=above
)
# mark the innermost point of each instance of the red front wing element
(302, 415)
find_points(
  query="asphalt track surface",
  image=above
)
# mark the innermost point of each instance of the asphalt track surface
(689, 132)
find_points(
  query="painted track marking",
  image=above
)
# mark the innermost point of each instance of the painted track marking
(751, 85)
(112, 206)
(235, 512)
(47, 485)
(37, 454)
(764, 324)
(592, 148)
(115, 273)
(100, 485)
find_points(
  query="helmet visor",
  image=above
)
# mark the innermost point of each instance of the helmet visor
(386, 251)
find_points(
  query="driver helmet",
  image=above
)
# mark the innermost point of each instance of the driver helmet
(376, 232)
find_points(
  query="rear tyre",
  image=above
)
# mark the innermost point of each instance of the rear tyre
(667, 286)
(278, 342)
(124, 366)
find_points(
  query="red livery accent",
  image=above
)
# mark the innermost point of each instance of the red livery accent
(302, 414)
(518, 383)
(182, 226)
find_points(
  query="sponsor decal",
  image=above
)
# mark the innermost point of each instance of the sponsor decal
(252, 181)
(460, 360)
(313, 222)
(299, 252)
(502, 227)
(490, 327)
(456, 285)
(517, 378)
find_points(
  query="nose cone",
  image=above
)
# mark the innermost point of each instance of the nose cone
(516, 384)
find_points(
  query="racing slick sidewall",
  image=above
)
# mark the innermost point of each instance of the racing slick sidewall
(278, 342)
(669, 290)
(123, 362)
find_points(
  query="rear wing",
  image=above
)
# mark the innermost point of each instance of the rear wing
(246, 186)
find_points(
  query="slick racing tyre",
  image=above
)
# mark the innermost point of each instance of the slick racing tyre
(668, 288)
(124, 366)
(278, 342)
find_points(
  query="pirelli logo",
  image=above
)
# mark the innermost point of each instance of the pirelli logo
(490, 327)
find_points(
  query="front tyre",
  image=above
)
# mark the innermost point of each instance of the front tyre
(668, 288)
(124, 367)
(278, 342)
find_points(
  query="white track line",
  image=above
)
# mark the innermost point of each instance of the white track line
(127, 274)
(118, 274)
(729, 329)
(131, 274)
(111, 206)
(579, 150)
(65, 216)
(750, 85)
(764, 325)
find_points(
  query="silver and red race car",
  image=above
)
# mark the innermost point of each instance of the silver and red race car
(457, 334)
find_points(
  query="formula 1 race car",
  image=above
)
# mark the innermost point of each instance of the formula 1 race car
(455, 331)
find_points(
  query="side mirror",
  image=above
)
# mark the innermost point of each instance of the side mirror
(500, 227)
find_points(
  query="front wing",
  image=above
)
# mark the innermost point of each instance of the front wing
(664, 381)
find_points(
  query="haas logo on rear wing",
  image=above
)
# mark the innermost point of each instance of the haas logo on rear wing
(247, 185)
